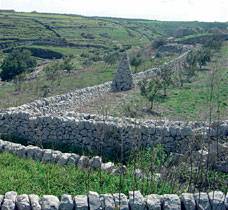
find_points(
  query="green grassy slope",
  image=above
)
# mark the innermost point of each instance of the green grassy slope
(71, 35)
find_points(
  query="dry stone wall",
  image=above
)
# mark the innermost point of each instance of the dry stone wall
(54, 156)
(91, 132)
(134, 201)
(47, 121)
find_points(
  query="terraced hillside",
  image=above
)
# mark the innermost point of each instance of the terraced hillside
(93, 43)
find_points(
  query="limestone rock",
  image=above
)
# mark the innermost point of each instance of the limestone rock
(136, 200)
(35, 202)
(95, 162)
(123, 79)
(107, 202)
(217, 199)
(73, 159)
(153, 202)
(64, 159)
(12, 195)
(8, 204)
(83, 162)
(1, 200)
(47, 156)
(121, 201)
(108, 167)
(171, 202)
(202, 201)
(34, 152)
(188, 201)
(81, 202)
(66, 202)
(49, 202)
(22, 202)
(94, 201)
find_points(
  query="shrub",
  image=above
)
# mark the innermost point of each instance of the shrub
(136, 61)
(17, 62)
(150, 89)
(158, 42)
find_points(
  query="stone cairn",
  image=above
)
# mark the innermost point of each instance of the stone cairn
(123, 79)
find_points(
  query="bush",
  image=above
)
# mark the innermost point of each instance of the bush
(158, 42)
(17, 62)
(150, 89)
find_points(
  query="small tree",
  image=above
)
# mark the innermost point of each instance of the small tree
(52, 72)
(18, 80)
(136, 62)
(158, 43)
(67, 63)
(15, 63)
(111, 58)
(150, 89)
(203, 57)
(166, 77)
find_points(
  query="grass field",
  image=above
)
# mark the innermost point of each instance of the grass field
(28, 176)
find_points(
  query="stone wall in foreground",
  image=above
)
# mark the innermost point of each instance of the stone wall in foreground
(215, 200)
(93, 132)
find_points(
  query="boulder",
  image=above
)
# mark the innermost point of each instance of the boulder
(34, 152)
(217, 200)
(153, 202)
(35, 202)
(95, 162)
(73, 159)
(81, 202)
(63, 159)
(202, 201)
(171, 202)
(94, 201)
(107, 202)
(12, 195)
(8, 205)
(188, 201)
(22, 202)
(66, 202)
(47, 156)
(9, 201)
(121, 201)
(49, 202)
(107, 167)
(1, 200)
(136, 200)
(83, 162)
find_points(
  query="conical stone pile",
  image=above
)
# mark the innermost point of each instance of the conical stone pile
(123, 79)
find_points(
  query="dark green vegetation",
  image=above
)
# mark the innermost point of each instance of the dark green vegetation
(17, 62)
(94, 44)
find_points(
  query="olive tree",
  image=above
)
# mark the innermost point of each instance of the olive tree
(150, 89)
